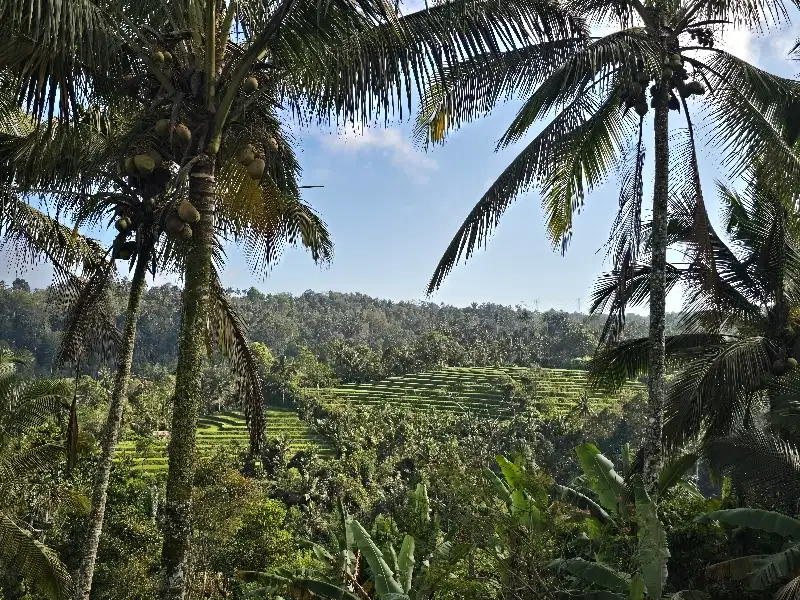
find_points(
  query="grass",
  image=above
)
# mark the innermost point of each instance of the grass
(480, 390)
(221, 430)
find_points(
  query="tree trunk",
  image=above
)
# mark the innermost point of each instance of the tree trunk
(656, 384)
(191, 350)
(88, 557)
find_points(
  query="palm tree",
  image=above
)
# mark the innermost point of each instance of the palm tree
(599, 93)
(740, 334)
(207, 103)
(24, 405)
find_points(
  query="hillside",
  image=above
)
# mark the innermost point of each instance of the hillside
(220, 430)
(480, 390)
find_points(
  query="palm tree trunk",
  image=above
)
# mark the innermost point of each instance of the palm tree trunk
(88, 557)
(656, 376)
(191, 350)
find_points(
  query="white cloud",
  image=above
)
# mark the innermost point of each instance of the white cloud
(739, 42)
(391, 142)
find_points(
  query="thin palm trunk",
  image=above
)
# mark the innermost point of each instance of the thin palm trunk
(656, 384)
(88, 557)
(191, 351)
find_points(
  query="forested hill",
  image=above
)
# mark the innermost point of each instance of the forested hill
(425, 333)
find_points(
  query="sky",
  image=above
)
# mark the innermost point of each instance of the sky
(392, 208)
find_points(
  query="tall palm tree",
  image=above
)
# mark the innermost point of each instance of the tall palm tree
(24, 405)
(599, 92)
(207, 92)
(740, 336)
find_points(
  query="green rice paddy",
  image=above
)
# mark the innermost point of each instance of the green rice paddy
(221, 430)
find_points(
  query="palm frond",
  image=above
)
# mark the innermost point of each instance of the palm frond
(612, 366)
(757, 458)
(228, 332)
(37, 563)
(711, 395)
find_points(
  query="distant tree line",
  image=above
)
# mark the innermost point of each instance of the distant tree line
(358, 337)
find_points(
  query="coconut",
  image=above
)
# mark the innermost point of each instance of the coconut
(174, 225)
(122, 224)
(183, 134)
(187, 212)
(779, 367)
(130, 168)
(144, 164)
(675, 60)
(791, 363)
(246, 155)
(157, 56)
(157, 158)
(167, 56)
(185, 233)
(250, 85)
(696, 87)
(674, 103)
(162, 128)
(635, 89)
(630, 101)
(642, 77)
(641, 108)
(124, 254)
(256, 168)
(272, 144)
(666, 73)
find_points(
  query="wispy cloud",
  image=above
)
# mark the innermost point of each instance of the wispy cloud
(417, 165)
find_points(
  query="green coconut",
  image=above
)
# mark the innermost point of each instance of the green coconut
(779, 367)
(158, 160)
(185, 233)
(666, 73)
(187, 212)
(246, 155)
(674, 103)
(122, 224)
(642, 77)
(635, 89)
(641, 108)
(130, 167)
(167, 56)
(162, 128)
(250, 85)
(183, 134)
(272, 144)
(124, 254)
(174, 225)
(696, 87)
(791, 363)
(157, 56)
(144, 164)
(256, 168)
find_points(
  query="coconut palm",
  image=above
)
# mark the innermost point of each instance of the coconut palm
(664, 50)
(25, 405)
(739, 334)
(205, 94)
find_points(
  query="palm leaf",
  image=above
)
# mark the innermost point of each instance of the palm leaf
(228, 331)
(37, 563)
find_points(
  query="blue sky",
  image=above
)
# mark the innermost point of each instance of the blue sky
(393, 208)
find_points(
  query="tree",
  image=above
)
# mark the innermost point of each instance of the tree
(739, 335)
(24, 405)
(586, 83)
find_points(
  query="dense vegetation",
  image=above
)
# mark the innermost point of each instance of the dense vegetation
(196, 442)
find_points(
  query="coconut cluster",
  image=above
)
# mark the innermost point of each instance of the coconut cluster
(673, 74)
(251, 158)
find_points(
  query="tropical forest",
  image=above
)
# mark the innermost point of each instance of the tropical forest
(216, 384)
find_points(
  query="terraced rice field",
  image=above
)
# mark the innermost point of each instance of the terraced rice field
(479, 390)
(220, 430)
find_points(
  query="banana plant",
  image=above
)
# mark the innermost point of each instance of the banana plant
(524, 502)
(762, 571)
